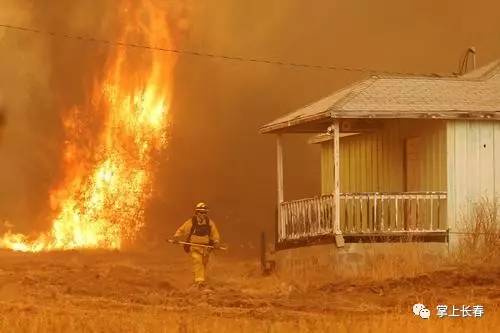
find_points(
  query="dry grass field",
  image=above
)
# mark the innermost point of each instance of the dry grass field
(148, 291)
(98, 291)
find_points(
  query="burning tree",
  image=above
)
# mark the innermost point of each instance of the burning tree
(110, 145)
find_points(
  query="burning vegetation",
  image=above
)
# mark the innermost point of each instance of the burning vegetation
(110, 145)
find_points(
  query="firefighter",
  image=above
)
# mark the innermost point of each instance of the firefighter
(199, 229)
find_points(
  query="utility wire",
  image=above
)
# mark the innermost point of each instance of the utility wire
(212, 55)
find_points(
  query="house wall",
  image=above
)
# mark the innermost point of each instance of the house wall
(376, 162)
(474, 165)
(402, 156)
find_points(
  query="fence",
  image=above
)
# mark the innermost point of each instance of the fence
(363, 213)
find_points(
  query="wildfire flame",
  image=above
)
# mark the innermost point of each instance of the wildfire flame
(110, 145)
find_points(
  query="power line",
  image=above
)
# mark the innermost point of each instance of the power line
(212, 55)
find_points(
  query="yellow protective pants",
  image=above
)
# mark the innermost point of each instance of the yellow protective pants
(200, 261)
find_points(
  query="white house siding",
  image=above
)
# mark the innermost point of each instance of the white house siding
(473, 148)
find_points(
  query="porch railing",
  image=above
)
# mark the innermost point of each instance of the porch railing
(363, 213)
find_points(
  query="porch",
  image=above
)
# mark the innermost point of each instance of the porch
(364, 217)
(381, 181)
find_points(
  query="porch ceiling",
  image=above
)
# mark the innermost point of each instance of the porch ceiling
(475, 95)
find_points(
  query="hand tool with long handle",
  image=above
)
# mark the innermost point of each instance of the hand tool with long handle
(197, 245)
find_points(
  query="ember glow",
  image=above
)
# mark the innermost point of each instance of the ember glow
(108, 159)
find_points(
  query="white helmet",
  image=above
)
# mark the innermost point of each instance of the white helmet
(201, 207)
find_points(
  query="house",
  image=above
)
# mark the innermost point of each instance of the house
(402, 158)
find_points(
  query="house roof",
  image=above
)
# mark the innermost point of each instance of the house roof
(475, 95)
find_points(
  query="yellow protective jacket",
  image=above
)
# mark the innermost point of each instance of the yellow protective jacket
(185, 229)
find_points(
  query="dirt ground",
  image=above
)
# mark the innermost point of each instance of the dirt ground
(99, 291)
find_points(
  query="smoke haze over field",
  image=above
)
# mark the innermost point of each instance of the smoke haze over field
(215, 153)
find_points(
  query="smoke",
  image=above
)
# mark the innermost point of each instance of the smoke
(2, 114)
(215, 153)
(27, 152)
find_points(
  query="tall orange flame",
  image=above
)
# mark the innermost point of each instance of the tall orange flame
(108, 169)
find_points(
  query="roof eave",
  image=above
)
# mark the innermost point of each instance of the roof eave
(335, 114)
(276, 127)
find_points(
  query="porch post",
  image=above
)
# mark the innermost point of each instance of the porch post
(279, 159)
(336, 175)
